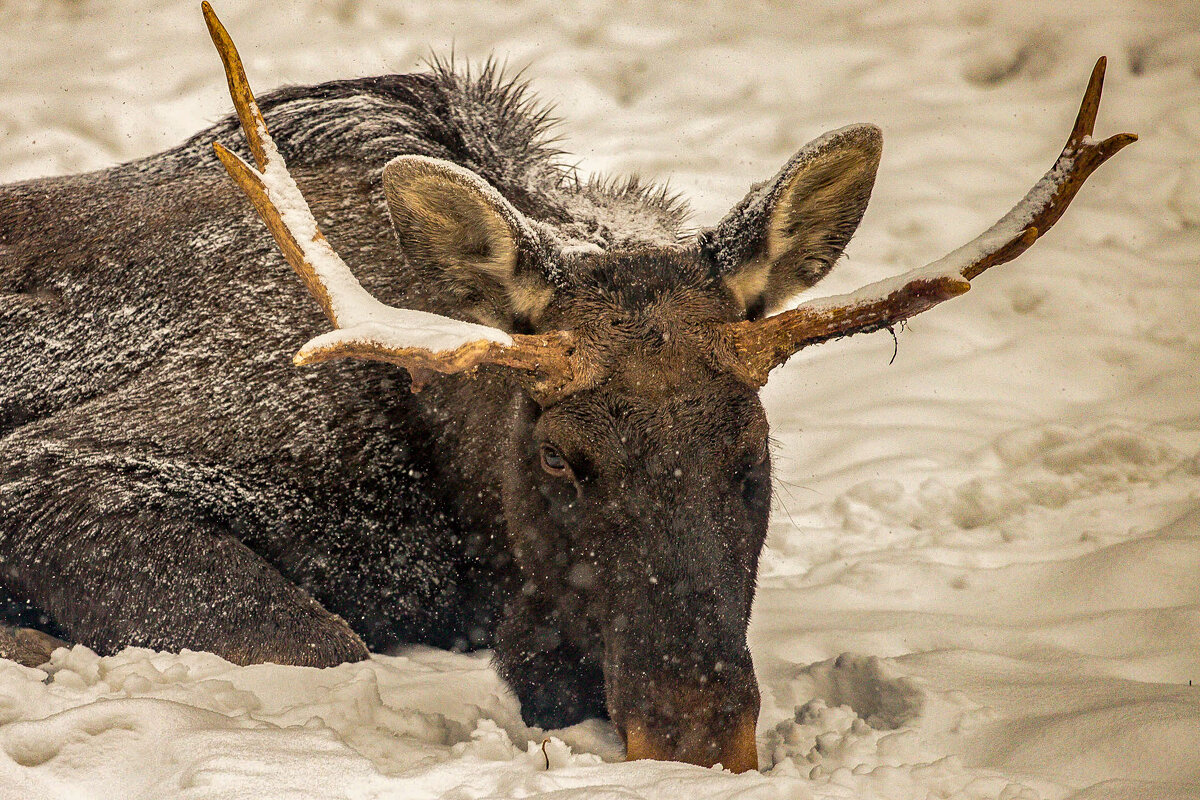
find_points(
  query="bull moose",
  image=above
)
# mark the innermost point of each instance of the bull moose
(583, 481)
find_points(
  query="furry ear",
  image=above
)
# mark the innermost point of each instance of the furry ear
(787, 233)
(461, 235)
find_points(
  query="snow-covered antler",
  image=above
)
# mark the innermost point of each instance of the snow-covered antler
(762, 345)
(365, 328)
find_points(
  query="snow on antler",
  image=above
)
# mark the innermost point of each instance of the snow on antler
(365, 328)
(354, 311)
(765, 344)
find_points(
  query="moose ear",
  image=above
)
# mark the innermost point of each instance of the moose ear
(463, 238)
(787, 233)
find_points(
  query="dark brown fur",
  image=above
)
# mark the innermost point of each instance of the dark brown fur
(168, 478)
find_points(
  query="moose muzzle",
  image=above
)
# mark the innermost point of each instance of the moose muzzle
(704, 723)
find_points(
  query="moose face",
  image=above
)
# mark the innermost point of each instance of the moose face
(639, 506)
(637, 480)
(637, 490)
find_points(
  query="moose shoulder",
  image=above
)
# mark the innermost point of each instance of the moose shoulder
(584, 481)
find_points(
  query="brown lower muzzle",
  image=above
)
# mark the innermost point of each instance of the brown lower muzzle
(702, 725)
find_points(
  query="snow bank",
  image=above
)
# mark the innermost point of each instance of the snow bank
(981, 578)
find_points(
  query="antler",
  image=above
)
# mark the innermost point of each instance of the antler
(365, 328)
(762, 345)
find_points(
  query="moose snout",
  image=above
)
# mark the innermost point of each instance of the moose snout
(697, 724)
(679, 679)
(702, 720)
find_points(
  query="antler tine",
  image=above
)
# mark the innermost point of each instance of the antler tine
(254, 184)
(1080, 157)
(239, 88)
(763, 345)
(365, 328)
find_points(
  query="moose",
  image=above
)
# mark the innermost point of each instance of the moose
(535, 422)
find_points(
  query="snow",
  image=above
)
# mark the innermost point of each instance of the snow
(981, 578)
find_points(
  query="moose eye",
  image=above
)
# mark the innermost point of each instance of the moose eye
(750, 469)
(553, 462)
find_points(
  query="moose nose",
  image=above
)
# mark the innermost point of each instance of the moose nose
(697, 724)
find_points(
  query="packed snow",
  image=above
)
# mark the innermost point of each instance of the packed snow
(983, 573)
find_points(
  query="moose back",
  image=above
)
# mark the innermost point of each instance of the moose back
(589, 497)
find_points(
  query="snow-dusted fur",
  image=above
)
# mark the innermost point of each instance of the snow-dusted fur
(169, 479)
(1004, 523)
(166, 474)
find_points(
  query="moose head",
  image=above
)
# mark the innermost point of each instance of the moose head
(637, 471)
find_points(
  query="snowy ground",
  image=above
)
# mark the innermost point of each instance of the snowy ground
(983, 576)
